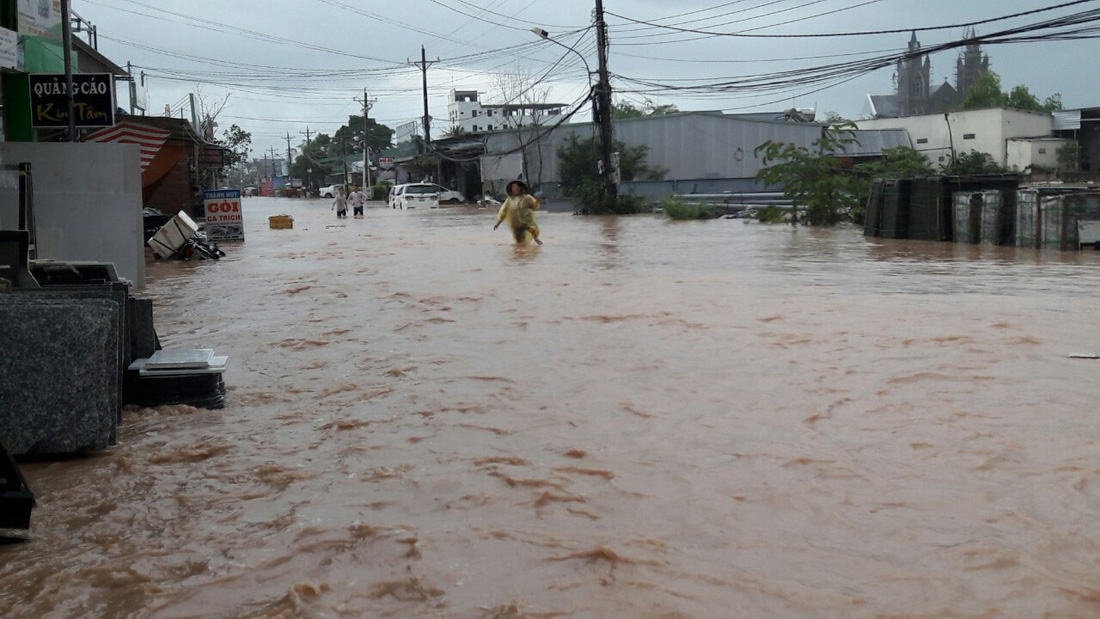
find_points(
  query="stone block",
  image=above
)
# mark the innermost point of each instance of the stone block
(59, 374)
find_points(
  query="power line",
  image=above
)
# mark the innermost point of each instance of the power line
(852, 34)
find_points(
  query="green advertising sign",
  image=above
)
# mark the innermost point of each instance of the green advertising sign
(39, 28)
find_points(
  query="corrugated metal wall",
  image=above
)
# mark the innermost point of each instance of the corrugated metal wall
(702, 152)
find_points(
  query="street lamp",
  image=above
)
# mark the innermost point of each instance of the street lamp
(600, 94)
(542, 34)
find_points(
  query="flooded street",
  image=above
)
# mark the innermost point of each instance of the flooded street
(642, 418)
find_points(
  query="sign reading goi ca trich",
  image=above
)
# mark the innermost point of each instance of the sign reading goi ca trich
(93, 100)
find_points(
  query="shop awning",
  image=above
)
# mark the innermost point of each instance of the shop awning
(149, 139)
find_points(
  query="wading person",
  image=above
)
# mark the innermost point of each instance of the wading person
(519, 210)
(357, 199)
(340, 204)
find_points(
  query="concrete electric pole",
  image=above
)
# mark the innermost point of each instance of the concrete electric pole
(309, 163)
(423, 65)
(602, 100)
(368, 103)
(289, 166)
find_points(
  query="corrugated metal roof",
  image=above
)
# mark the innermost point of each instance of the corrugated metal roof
(1067, 120)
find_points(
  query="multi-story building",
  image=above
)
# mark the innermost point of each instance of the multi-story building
(467, 114)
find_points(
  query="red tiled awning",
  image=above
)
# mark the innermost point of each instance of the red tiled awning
(149, 139)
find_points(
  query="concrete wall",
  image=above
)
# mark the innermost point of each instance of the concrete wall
(87, 202)
(1039, 153)
(986, 131)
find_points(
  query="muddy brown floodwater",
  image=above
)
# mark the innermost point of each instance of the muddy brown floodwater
(642, 418)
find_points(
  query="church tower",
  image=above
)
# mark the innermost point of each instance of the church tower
(914, 75)
(970, 65)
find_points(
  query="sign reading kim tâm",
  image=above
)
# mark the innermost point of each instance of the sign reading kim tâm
(93, 100)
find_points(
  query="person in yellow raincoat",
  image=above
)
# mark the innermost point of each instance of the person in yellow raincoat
(519, 210)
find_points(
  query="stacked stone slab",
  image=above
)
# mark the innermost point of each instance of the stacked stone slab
(62, 368)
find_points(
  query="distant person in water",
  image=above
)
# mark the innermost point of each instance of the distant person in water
(357, 199)
(519, 210)
(340, 204)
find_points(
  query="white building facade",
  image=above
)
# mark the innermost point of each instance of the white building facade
(1014, 138)
(467, 114)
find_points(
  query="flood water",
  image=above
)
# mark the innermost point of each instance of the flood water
(642, 418)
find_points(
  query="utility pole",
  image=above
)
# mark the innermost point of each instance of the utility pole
(603, 105)
(67, 59)
(423, 65)
(289, 179)
(309, 163)
(368, 103)
(272, 151)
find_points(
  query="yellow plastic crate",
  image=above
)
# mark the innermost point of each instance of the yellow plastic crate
(281, 222)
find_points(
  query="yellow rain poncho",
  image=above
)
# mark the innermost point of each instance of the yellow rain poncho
(519, 213)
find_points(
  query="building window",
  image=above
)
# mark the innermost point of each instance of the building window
(922, 140)
(473, 114)
(475, 128)
(1042, 151)
(968, 136)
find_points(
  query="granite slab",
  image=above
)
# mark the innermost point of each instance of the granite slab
(59, 390)
(180, 359)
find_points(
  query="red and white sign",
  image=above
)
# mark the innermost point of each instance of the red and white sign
(224, 220)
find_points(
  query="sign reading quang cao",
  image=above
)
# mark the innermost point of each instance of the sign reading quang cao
(224, 220)
(93, 100)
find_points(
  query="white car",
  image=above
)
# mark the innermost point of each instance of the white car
(329, 191)
(413, 195)
(448, 196)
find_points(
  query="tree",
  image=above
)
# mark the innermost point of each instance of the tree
(974, 163)
(896, 162)
(520, 88)
(526, 95)
(350, 136)
(313, 164)
(237, 142)
(986, 92)
(814, 178)
(626, 109)
(578, 161)
(1069, 157)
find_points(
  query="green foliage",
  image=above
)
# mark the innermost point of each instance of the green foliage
(579, 164)
(676, 208)
(973, 163)
(315, 158)
(771, 214)
(380, 191)
(349, 138)
(237, 141)
(1069, 157)
(626, 109)
(896, 162)
(986, 92)
(813, 178)
(833, 118)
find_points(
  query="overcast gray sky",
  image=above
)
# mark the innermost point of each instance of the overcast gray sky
(288, 65)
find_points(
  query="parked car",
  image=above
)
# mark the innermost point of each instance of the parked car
(329, 191)
(413, 195)
(449, 196)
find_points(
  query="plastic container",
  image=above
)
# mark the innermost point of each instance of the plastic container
(281, 222)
